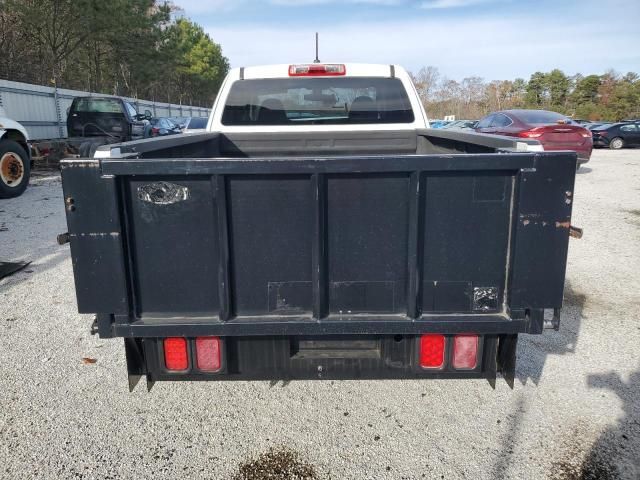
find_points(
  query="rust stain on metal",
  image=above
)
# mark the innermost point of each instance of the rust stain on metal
(568, 194)
(575, 232)
(89, 164)
(95, 234)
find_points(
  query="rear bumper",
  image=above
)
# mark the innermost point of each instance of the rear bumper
(274, 350)
(269, 358)
(283, 358)
(600, 142)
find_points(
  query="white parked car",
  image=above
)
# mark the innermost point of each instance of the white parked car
(15, 157)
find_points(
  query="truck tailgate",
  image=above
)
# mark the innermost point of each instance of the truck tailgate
(392, 244)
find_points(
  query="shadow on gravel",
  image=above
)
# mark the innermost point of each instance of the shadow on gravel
(533, 350)
(616, 453)
(37, 266)
(582, 170)
(41, 214)
(510, 438)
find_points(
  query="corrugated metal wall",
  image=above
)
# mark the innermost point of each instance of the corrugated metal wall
(43, 110)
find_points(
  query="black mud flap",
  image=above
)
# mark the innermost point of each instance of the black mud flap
(491, 358)
(136, 366)
(507, 357)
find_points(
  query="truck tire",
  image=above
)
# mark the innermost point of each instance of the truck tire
(83, 149)
(88, 149)
(15, 169)
(616, 143)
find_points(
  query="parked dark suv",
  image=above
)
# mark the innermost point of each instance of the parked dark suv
(617, 135)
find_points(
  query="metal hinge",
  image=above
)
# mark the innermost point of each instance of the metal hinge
(94, 326)
(554, 322)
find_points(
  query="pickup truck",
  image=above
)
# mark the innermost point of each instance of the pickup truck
(320, 230)
(94, 121)
(15, 157)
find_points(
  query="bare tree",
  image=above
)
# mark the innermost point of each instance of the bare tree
(426, 82)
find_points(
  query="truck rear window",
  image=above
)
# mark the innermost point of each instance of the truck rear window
(98, 105)
(317, 101)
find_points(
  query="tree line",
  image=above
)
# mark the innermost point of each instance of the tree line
(610, 96)
(136, 48)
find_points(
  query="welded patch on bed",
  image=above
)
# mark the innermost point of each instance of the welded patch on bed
(363, 297)
(485, 299)
(162, 193)
(289, 297)
(446, 296)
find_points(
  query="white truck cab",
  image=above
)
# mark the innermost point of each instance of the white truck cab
(337, 107)
(15, 159)
(317, 97)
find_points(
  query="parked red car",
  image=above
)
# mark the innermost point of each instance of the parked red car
(552, 130)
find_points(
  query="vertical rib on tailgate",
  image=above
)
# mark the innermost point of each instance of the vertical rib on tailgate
(394, 244)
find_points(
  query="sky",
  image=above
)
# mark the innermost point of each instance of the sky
(492, 39)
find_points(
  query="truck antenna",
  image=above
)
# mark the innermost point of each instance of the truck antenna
(317, 60)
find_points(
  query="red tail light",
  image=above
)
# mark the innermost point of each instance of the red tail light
(533, 133)
(208, 354)
(586, 133)
(465, 351)
(432, 351)
(155, 130)
(175, 353)
(317, 69)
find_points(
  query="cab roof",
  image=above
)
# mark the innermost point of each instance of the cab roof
(282, 70)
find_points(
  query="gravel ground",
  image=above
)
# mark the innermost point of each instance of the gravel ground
(574, 413)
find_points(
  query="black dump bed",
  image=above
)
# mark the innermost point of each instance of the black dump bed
(425, 237)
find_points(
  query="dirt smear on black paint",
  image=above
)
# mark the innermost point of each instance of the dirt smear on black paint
(279, 463)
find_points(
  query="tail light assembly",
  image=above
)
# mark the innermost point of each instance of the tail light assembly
(432, 349)
(176, 354)
(465, 352)
(208, 358)
(207, 354)
(533, 133)
(433, 352)
(317, 70)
